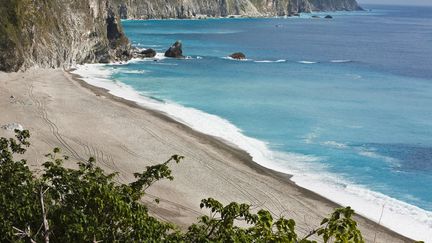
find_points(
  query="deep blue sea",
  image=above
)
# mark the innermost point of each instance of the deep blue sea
(345, 105)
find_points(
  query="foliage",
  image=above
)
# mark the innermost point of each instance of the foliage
(220, 226)
(80, 205)
(87, 205)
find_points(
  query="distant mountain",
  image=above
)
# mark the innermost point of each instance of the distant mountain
(157, 9)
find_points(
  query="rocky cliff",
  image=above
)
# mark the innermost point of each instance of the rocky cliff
(53, 33)
(61, 33)
(148, 9)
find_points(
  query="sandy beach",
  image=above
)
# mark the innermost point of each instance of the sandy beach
(62, 111)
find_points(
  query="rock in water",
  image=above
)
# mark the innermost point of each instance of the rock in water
(328, 17)
(149, 53)
(238, 56)
(175, 50)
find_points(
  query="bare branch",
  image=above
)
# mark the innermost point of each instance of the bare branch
(44, 215)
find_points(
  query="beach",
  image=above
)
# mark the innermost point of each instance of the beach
(62, 111)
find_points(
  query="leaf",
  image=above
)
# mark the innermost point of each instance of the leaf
(325, 220)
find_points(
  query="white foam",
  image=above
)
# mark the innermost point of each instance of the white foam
(310, 137)
(270, 61)
(307, 62)
(190, 32)
(160, 56)
(340, 61)
(307, 172)
(374, 155)
(149, 46)
(164, 63)
(399, 216)
(335, 144)
(132, 71)
(121, 63)
(234, 59)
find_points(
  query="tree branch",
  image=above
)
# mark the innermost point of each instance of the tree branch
(44, 217)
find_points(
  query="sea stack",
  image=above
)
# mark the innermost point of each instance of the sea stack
(175, 50)
(238, 56)
(148, 53)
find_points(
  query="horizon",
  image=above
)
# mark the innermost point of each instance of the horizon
(397, 2)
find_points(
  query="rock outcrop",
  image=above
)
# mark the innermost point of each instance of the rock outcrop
(147, 53)
(157, 9)
(175, 50)
(238, 56)
(57, 33)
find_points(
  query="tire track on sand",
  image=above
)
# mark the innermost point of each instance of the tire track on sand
(41, 110)
(101, 158)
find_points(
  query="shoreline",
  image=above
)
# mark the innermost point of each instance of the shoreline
(228, 147)
(84, 121)
(116, 115)
(258, 16)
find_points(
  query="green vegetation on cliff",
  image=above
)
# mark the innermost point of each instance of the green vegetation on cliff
(12, 14)
(52, 33)
(87, 205)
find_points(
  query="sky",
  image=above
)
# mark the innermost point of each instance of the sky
(399, 2)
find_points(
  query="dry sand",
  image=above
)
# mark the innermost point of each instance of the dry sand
(85, 121)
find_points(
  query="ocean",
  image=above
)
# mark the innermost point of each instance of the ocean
(344, 104)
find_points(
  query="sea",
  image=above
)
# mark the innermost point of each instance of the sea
(344, 105)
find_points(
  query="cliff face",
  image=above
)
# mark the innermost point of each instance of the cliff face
(334, 5)
(58, 33)
(61, 33)
(147, 9)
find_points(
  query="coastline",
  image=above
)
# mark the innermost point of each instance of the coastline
(59, 97)
(366, 202)
(303, 15)
(239, 154)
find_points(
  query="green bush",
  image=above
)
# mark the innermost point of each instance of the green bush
(87, 205)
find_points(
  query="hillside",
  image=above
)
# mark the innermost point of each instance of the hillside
(156, 9)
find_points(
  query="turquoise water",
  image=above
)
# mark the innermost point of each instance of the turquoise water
(352, 95)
